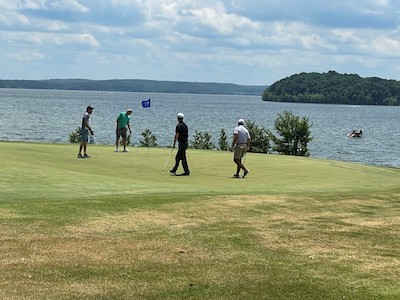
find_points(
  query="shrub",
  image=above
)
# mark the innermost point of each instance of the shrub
(222, 141)
(149, 139)
(75, 136)
(295, 134)
(202, 141)
(259, 138)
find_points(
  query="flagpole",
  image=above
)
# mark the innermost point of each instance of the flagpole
(147, 104)
(148, 148)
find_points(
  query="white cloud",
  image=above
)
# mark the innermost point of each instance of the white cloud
(66, 5)
(241, 41)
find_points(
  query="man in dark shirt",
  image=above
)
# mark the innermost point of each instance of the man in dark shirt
(181, 135)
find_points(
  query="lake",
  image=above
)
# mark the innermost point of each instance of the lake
(51, 115)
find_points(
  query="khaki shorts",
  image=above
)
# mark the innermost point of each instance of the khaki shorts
(240, 150)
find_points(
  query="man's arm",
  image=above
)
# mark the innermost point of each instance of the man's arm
(86, 125)
(176, 137)
(234, 142)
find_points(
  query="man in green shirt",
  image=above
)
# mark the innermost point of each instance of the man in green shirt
(122, 124)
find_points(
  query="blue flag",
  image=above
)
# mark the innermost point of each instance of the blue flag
(146, 103)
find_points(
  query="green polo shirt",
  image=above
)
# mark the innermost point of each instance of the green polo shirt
(123, 120)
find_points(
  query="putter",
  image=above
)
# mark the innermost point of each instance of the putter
(169, 156)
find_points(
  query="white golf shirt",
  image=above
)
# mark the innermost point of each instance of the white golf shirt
(242, 133)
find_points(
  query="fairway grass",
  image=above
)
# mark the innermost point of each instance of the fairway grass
(116, 226)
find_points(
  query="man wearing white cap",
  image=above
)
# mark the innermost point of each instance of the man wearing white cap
(123, 122)
(181, 136)
(240, 144)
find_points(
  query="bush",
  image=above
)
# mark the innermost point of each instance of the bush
(259, 138)
(75, 136)
(202, 141)
(222, 141)
(295, 134)
(150, 140)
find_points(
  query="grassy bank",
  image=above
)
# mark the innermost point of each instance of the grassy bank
(116, 226)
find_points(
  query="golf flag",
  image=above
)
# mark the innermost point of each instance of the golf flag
(146, 103)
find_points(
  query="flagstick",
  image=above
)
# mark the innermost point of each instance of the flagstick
(148, 148)
(147, 104)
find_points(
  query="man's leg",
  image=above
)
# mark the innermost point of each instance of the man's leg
(124, 139)
(185, 164)
(237, 159)
(116, 144)
(178, 158)
(84, 146)
(84, 140)
(117, 133)
(239, 165)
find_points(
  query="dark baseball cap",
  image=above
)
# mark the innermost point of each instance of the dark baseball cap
(89, 107)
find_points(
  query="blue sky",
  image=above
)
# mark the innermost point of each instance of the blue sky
(251, 42)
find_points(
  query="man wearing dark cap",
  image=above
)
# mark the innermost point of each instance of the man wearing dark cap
(181, 136)
(85, 129)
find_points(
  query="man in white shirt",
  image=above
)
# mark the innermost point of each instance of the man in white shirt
(85, 129)
(240, 144)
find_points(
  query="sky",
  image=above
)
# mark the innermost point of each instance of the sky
(247, 42)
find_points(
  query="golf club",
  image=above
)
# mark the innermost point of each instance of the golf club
(169, 156)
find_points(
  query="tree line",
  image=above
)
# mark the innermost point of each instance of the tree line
(136, 85)
(334, 88)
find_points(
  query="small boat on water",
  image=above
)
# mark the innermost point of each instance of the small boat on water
(355, 133)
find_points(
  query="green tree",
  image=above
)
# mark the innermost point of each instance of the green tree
(149, 139)
(202, 141)
(295, 134)
(222, 141)
(260, 142)
(332, 87)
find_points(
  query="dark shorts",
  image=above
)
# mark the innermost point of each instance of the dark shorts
(121, 132)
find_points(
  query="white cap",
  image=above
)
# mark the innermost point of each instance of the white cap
(180, 116)
(241, 122)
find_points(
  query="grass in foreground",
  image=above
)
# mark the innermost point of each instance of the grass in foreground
(116, 226)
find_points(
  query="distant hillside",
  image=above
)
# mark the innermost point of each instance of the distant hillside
(334, 88)
(136, 85)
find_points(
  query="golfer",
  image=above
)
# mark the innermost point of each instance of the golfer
(122, 124)
(85, 129)
(240, 144)
(181, 136)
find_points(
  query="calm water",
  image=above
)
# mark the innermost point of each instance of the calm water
(50, 115)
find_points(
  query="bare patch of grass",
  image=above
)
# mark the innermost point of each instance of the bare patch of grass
(335, 232)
